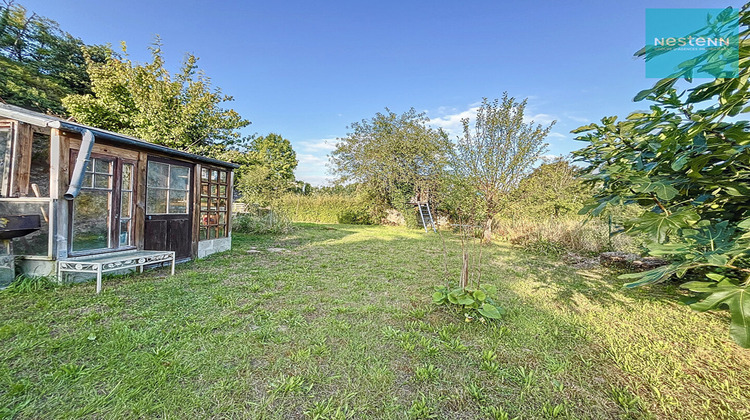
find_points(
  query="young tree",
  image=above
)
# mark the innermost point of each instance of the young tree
(687, 162)
(182, 111)
(498, 152)
(393, 157)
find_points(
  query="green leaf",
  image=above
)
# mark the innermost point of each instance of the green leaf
(480, 296)
(659, 225)
(439, 298)
(490, 289)
(649, 277)
(491, 311)
(737, 299)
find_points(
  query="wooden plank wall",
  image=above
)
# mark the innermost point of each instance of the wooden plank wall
(139, 191)
(21, 160)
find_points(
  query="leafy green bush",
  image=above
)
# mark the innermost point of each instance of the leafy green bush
(261, 222)
(687, 161)
(475, 303)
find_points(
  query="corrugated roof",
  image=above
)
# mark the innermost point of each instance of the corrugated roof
(44, 120)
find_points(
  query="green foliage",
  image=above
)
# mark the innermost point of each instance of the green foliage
(181, 110)
(552, 190)
(327, 208)
(261, 222)
(393, 157)
(474, 303)
(266, 170)
(39, 63)
(493, 156)
(26, 283)
(687, 162)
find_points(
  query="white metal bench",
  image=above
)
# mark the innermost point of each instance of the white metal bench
(98, 264)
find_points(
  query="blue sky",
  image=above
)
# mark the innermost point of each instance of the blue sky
(306, 70)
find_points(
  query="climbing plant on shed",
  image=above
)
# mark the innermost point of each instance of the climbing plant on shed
(686, 161)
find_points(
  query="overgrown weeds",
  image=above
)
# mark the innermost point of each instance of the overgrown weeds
(262, 221)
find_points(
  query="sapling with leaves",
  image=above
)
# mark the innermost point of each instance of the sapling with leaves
(474, 299)
(686, 161)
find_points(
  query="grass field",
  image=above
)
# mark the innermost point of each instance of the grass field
(342, 326)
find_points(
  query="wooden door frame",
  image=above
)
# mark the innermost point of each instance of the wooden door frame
(190, 215)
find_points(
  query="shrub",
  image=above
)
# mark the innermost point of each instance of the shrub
(261, 221)
(326, 208)
(556, 236)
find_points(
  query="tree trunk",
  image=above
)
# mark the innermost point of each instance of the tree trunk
(488, 231)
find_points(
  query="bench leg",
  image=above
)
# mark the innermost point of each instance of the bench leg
(173, 258)
(98, 279)
(140, 269)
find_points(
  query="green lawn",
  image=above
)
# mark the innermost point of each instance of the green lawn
(342, 326)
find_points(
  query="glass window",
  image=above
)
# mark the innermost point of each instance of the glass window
(168, 188)
(4, 159)
(93, 207)
(39, 170)
(126, 204)
(214, 198)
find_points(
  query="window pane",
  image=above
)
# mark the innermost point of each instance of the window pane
(88, 180)
(222, 205)
(204, 189)
(127, 176)
(212, 233)
(91, 220)
(221, 232)
(204, 218)
(178, 178)
(203, 234)
(223, 177)
(157, 174)
(222, 218)
(102, 181)
(213, 190)
(214, 175)
(125, 204)
(204, 174)
(39, 173)
(212, 204)
(124, 232)
(212, 219)
(178, 202)
(102, 166)
(222, 190)
(204, 203)
(156, 201)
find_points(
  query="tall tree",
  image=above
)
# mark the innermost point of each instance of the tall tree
(40, 63)
(498, 151)
(267, 168)
(182, 111)
(394, 157)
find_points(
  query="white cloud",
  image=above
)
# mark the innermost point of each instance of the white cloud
(451, 123)
(322, 145)
(576, 118)
(543, 119)
(557, 135)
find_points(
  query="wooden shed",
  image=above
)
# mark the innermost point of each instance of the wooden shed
(97, 193)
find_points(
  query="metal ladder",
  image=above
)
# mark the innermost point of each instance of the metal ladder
(426, 215)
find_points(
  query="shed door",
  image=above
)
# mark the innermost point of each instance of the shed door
(168, 225)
